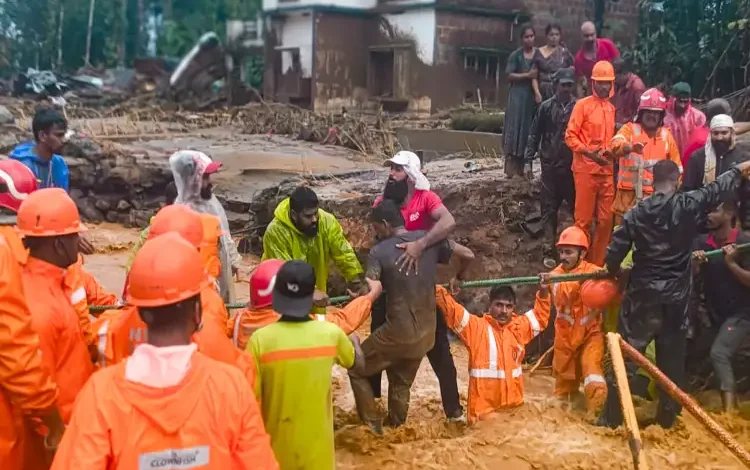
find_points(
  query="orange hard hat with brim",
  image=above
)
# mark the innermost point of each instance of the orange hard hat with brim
(603, 72)
(48, 212)
(180, 219)
(166, 270)
(573, 236)
(598, 293)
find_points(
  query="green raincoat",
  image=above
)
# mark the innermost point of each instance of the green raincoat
(283, 241)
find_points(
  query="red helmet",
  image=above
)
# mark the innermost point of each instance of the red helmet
(20, 181)
(653, 100)
(262, 280)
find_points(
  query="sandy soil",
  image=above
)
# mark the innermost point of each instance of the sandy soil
(542, 434)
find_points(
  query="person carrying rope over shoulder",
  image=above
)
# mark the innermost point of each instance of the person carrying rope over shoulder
(662, 230)
(579, 339)
(496, 343)
(49, 222)
(167, 405)
(260, 313)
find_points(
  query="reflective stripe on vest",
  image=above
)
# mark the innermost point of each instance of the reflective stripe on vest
(102, 343)
(593, 378)
(635, 171)
(492, 372)
(535, 327)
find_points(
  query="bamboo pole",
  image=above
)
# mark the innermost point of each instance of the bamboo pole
(691, 405)
(626, 401)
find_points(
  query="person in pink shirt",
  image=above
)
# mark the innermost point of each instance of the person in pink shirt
(421, 209)
(592, 50)
(682, 118)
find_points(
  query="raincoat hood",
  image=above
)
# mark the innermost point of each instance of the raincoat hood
(281, 213)
(188, 167)
(167, 406)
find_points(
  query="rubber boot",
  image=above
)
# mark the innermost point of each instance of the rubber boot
(729, 400)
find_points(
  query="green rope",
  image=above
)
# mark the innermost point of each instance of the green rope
(509, 281)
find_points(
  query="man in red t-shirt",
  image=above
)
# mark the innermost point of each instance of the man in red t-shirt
(592, 50)
(422, 210)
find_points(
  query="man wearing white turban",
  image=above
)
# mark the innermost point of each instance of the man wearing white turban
(719, 155)
(422, 209)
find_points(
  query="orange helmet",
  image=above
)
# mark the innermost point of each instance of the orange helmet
(19, 180)
(262, 280)
(603, 72)
(653, 100)
(573, 236)
(598, 293)
(48, 212)
(180, 219)
(166, 270)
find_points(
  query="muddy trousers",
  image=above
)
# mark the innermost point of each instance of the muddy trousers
(731, 335)
(644, 318)
(595, 195)
(557, 186)
(440, 358)
(583, 365)
(400, 373)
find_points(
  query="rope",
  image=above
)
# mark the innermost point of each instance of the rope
(508, 281)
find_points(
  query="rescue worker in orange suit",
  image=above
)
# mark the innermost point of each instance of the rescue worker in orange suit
(260, 312)
(167, 405)
(638, 146)
(83, 288)
(590, 129)
(661, 229)
(496, 342)
(26, 389)
(49, 222)
(127, 330)
(579, 339)
(210, 246)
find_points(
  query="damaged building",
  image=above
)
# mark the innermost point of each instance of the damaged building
(414, 56)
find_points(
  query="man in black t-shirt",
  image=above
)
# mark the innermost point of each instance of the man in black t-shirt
(726, 284)
(399, 345)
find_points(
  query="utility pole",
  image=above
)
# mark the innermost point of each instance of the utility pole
(123, 33)
(87, 58)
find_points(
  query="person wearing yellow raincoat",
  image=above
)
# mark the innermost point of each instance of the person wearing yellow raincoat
(301, 230)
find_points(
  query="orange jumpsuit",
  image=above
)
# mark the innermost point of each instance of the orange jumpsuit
(496, 352)
(209, 249)
(635, 179)
(579, 340)
(26, 389)
(591, 127)
(210, 420)
(242, 326)
(64, 353)
(84, 291)
(120, 331)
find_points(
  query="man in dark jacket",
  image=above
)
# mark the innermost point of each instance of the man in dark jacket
(662, 229)
(722, 154)
(547, 136)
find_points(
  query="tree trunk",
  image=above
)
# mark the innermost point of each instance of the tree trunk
(59, 36)
(123, 33)
(87, 57)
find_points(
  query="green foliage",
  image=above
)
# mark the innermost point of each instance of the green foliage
(31, 27)
(702, 42)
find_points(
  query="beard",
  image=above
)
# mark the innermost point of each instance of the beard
(310, 231)
(721, 146)
(396, 191)
(207, 191)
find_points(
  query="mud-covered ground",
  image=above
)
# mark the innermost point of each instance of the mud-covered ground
(542, 434)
